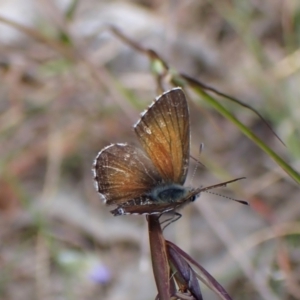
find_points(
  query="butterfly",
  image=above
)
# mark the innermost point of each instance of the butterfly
(151, 181)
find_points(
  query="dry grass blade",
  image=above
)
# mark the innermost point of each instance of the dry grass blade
(201, 273)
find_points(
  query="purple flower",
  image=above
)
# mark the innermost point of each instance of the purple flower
(100, 274)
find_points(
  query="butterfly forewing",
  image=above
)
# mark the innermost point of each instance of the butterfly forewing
(164, 133)
(122, 173)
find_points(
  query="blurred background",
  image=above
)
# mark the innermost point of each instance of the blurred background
(69, 87)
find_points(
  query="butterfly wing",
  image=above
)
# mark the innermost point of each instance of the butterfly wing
(145, 209)
(164, 132)
(122, 173)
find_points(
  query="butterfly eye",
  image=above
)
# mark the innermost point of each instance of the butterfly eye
(193, 198)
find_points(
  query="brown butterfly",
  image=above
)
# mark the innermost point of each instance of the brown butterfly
(151, 181)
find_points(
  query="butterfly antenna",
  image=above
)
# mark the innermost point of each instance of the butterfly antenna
(236, 200)
(197, 160)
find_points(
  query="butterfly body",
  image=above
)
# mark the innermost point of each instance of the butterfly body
(161, 199)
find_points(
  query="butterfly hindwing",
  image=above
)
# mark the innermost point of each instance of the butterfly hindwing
(122, 173)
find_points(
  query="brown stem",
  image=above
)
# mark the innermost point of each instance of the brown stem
(159, 258)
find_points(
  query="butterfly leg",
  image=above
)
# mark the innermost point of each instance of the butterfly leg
(176, 216)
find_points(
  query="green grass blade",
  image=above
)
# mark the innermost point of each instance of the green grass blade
(223, 111)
